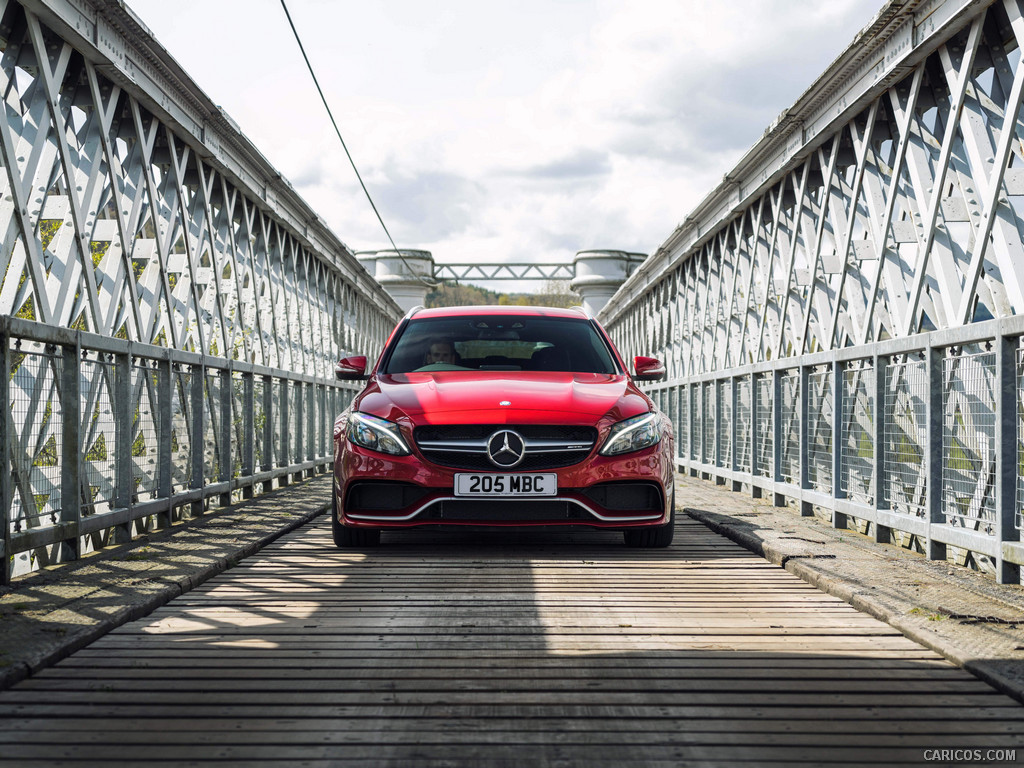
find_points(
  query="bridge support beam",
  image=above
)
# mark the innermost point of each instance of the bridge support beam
(405, 274)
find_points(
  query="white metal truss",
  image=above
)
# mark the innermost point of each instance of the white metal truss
(906, 216)
(117, 221)
(522, 271)
(132, 210)
(887, 205)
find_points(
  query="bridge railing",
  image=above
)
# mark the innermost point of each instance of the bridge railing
(841, 317)
(109, 439)
(915, 441)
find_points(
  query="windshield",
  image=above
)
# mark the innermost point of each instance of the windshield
(500, 343)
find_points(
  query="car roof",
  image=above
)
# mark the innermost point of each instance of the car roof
(496, 309)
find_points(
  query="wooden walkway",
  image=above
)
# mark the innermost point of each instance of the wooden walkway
(481, 650)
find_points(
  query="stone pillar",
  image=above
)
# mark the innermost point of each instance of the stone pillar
(400, 273)
(599, 274)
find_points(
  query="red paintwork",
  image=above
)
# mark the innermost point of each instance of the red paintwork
(463, 397)
(470, 397)
(648, 367)
(351, 367)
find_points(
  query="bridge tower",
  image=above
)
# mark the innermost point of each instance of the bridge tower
(405, 274)
(599, 274)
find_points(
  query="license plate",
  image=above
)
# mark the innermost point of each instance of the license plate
(545, 484)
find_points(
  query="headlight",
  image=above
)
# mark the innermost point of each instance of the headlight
(632, 435)
(376, 434)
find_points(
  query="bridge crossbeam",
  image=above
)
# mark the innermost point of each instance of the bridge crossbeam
(521, 271)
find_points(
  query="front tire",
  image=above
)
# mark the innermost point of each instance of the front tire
(350, 538)
(654, 538)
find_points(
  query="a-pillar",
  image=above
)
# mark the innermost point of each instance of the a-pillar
(406, 275)
(599, 274)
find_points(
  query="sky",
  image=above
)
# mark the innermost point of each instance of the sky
(492, 132)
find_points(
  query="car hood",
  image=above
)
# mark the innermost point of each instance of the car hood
(476, 398)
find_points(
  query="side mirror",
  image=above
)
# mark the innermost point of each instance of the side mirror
(351, 368)
(648, 368)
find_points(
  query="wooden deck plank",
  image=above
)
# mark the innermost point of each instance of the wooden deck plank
(461, 652)
(24, 730)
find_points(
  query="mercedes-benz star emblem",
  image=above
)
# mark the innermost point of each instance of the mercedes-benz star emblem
(505, 448)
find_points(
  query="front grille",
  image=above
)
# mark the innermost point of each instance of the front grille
(464, 446)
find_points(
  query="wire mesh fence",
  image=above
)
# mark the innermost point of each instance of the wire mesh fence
(145, 387)
(765, 420)
(214, 443)
(100, 468)
(37, 454)
(1019, 422)
(672, 409)
(857, 476)
(295, 447)
(968, 440)
(789, 418)
(240, 440)
(742, 416)
(725, 420)
(683, 422)
(905, 432)
(820, 401)
(279, 403)
(182, 423)
(708, 422)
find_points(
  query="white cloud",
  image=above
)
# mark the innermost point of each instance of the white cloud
(501, 131)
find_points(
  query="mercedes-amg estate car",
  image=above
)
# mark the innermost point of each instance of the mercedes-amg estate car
(502, 416)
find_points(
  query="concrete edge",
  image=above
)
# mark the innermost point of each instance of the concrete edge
(805, 569)
(174, 587)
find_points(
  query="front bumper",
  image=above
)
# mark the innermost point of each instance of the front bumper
(563, 509)
(601, 492)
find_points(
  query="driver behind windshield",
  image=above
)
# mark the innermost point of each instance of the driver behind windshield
(440, 351)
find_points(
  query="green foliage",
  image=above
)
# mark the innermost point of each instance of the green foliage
(139, 554)
(139, 446)
(98, 452)
(28, 310)
(556, 293)
(452, 294)
(80, 324)
(47, 457)
(99, 250)
(48, 230)
(17, 358)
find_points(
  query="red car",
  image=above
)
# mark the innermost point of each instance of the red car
(502, 416)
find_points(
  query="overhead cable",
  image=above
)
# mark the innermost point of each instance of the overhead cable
(348, 154)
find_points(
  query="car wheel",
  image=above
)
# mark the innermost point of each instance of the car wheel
(654, 538)
(350, 538)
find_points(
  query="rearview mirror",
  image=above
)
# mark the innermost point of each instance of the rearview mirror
(648, 368)
(351, 368)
